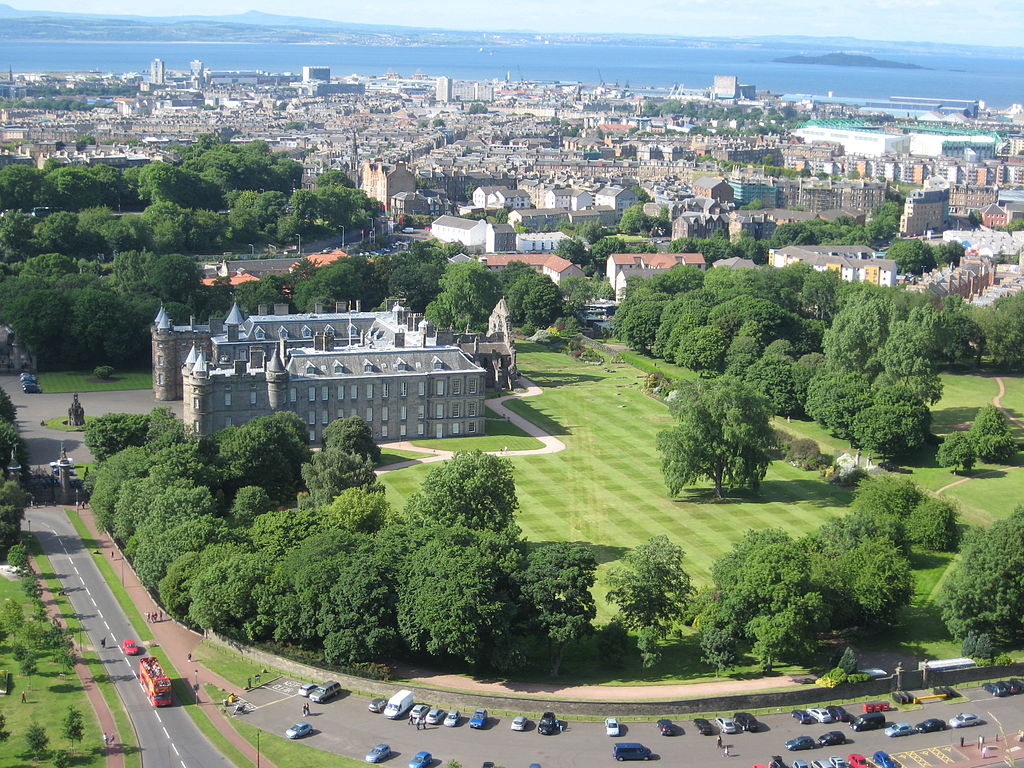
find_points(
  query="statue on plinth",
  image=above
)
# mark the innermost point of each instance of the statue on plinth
(76, 413)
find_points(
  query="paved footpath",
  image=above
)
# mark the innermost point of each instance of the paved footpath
(180, 644)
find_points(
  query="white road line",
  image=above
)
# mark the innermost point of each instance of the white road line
(106, 625)
(183, 764)
(175, 749)
(93, 601)
(166, 734)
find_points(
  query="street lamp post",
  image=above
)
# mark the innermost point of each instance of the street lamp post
(300, 244)
(342, 235)
(252, 249)
(122, 570)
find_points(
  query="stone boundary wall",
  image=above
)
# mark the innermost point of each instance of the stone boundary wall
(604, 349)
(466, 701)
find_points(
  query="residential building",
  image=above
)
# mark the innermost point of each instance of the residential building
(926, 210)
(539, 242)
(470, 233)
(619, 198)
(714, 187)
(554, 267)
(500, 197)
(382, 182)
(539, 219)
(853, 263)
(623, 266)
(500, 238)
(754, 189)
(570, 199)
(157, 73)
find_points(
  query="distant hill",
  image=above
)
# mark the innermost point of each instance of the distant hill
(848, 60)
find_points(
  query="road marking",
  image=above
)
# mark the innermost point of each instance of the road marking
(93, 601)
(106, 625)
(942, 753)
(166, 733)
(183, 764)
(175, 749)
(157, 715)
(902, 756)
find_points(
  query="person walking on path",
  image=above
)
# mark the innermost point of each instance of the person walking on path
(103, 642)
(23, 699)
(719, 741)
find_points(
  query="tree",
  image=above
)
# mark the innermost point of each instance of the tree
(650, 586)
(980, 592)
(957, 450)
(835, 400)
(848, 661)
(352, 434)
(37, 741)
(722, 433)
(469, 292)
(73, 726)
(991, 436)
(472, 489)
(363, 509)
(912, 257)
(109, 433)
(772, 377)
(330, 471)
(556, 582)
(895, 424)
(934, 524)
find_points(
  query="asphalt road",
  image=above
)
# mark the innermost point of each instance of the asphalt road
(345, 726)
(167, 736)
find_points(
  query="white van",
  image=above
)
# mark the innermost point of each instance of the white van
(398, 705)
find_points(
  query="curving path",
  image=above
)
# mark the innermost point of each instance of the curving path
(551, 444)
(997, 402)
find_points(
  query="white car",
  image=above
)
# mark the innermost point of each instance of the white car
(420, 710)
(611, 727)
(453, 718)
(727, 725)
(435, 716)
(307, 688)
(820, 714)
(519, 723)
(964, 720)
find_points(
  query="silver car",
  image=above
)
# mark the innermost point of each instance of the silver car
(378, 753)
(453, 718)
(435, 716)
(420, 710)
(727, 725)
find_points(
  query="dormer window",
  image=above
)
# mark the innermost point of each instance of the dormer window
(307, 332)
(260, 333)
(401, 365)
(367, 366)
(311, 370)
(438, 364)
(338, 367)
(283, 332)
(329, 330)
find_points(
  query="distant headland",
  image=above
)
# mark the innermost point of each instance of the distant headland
(848, 60)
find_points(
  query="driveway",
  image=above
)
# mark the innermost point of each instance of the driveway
(44, 443)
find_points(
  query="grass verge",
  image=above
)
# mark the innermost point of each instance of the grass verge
(57, 382)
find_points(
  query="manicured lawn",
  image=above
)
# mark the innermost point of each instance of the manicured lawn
(499, 434)
(962, 396)
(84, 381)
(607, 490)
(60, 422)
(396, 455)
(653, 365)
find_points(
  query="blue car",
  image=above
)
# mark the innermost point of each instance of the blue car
(479, 719)
(882, 760)
(421, 760)
(378, 753)
(299, 730)
(801, 742)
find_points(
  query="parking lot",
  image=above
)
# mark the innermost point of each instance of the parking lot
(345, 726)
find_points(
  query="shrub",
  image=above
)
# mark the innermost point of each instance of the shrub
(848, 661)
(614, 644)
(805, 453)
(1003, 660)
(103, 372)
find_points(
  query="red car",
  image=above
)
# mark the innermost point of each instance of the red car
(858, 761)
(129, 647)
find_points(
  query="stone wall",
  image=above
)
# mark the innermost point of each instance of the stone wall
(780, 700)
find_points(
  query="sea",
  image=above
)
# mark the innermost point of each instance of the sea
(996, 80)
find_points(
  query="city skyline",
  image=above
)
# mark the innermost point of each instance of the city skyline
(997, 23)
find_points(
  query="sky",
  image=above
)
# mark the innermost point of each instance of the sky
(993, 22)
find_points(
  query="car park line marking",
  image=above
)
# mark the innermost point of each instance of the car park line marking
(275, 701)
(942, 753)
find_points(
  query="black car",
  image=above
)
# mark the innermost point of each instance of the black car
(548, 724)
(930, 725)
(704, 727)
(746, 722)
(803, 717)
(1016, 686)
(832, 738)
(777, 762)
(839, 714)
(31, 389)
(667, 728)
(997, 689)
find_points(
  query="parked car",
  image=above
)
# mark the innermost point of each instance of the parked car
(1016, 686)
(435, 716)
(421, 760)
(703, 726)
(129, 647)
(882, 760)
(299, 730)
(31, 389)
(964, 720)
(858, 761)
(746, 722)
(378, 753)
(777, 762)
(800, 764)
(307, 688)
(375, 705)
(899, 729)
(801, 742)
(930, 725)
(452, 718)
(519, 723)
(727, 725)
(803, 717)
(479, 719)
(998, 689)
(837, 762)
(666, 728)
(823, 763)
(832, 738)
(611, 727)
(420, 710)
(820, 714)
(839, 714)
(548, 724)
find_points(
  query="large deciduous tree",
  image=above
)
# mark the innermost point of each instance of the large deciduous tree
(722, 433)
(990, 433)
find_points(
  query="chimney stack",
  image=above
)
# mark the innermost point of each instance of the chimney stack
(256, 357)
(280, 309)
(261, 309)
(318, 308)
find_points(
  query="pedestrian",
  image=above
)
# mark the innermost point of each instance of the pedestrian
(190, 656)
(23, 699)
(103, 642)
(726, 750)
(104, 738)
(111, 554)
(719, 741)
(410, 715)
